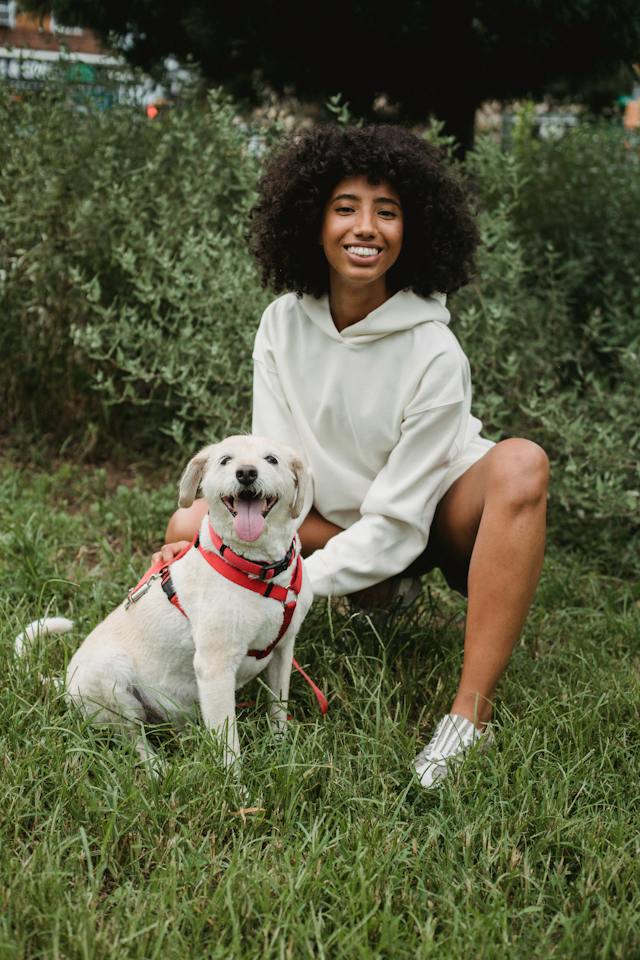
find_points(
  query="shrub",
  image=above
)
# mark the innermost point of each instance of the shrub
(580, 196)
(130, 299)
(548, 365)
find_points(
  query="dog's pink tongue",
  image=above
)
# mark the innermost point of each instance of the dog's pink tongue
(248, 521)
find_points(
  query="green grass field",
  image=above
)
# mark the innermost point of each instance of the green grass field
(531, 850)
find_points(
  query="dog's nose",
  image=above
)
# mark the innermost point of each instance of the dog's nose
(246, 475)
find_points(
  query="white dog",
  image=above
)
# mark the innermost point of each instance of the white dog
(238, 597)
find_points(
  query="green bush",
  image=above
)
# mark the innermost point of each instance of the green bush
(580, 195)
(554, 343)
(129, 296)
(130, 301)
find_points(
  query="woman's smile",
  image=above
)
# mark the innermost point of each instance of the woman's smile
(362, 231)
(362, 253)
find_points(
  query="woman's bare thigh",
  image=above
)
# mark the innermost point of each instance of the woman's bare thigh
(455, 526)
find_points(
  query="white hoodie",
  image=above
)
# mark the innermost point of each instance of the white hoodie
(381, 411)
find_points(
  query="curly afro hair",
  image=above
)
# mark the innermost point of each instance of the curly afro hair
(440, 235)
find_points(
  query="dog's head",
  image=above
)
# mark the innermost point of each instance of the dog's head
(251, 484)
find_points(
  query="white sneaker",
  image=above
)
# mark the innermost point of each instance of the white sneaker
(453, 737)
(406, 591)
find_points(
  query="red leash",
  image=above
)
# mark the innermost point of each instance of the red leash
(323, 703)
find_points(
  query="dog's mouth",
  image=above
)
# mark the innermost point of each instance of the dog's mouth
(249, 512)
(264, 504)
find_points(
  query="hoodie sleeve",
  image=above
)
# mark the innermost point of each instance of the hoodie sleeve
(396, 513)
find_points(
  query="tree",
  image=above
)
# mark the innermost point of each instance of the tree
(428, 58)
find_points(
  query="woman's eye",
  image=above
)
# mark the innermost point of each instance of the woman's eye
(270, 458)
(224, 461)
(344, 209)
(387, 214)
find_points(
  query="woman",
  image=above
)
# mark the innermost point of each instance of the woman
(357, 368)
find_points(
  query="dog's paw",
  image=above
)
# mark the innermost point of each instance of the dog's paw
(150, 762)
(280, 733)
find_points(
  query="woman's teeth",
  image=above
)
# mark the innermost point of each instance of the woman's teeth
(363, 251)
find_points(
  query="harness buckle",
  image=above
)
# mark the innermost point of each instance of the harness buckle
(269, 572)
(137, 592)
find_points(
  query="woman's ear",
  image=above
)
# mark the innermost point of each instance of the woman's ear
(301, 475)
(192, 477)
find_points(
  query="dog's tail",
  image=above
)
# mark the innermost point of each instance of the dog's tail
(40, 628)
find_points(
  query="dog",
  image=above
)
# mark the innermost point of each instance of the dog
(198, 628)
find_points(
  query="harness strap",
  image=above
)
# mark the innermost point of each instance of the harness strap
(271, 590)
(287, 615)
(240, 577)
(167, 585)
(160, 566)
(266, 571)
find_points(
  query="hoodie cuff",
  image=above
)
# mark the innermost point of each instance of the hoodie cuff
(319, 576)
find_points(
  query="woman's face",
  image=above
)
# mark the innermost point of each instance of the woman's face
(361, 232)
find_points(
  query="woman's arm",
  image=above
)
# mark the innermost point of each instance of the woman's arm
(315, 532)
(185, 522)
(181, 529)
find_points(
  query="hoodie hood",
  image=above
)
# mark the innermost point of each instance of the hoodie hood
(403, 311)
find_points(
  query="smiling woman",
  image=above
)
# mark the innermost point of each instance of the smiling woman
(357, 368)
(361, 236)
(439, 234)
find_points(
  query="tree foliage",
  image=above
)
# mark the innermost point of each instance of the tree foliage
(425, 57)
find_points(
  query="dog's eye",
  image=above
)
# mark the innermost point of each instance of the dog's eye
(270, 458)
(224, 461)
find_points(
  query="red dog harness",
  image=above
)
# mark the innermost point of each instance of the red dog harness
(251, 574)
(256, 576)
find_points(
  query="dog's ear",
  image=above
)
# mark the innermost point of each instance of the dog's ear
(301, 474)
(191, 478)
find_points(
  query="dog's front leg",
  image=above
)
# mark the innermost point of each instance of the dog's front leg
(216, 692)
(278, 679)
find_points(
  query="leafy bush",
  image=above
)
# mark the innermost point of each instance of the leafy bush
(130, 301)
(549, 363)
(130, 298)
(580, 195)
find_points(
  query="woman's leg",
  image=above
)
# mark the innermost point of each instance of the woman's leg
(315, 531)
(489, 532)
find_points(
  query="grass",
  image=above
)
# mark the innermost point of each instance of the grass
(531, 850)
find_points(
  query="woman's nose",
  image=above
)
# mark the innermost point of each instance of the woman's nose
(365, 225)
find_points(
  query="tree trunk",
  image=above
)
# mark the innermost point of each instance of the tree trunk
(459, 121)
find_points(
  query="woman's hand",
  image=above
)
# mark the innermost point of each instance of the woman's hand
(170, 550)
(181, 530)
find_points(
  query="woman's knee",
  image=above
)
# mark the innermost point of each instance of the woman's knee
(519, 472)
